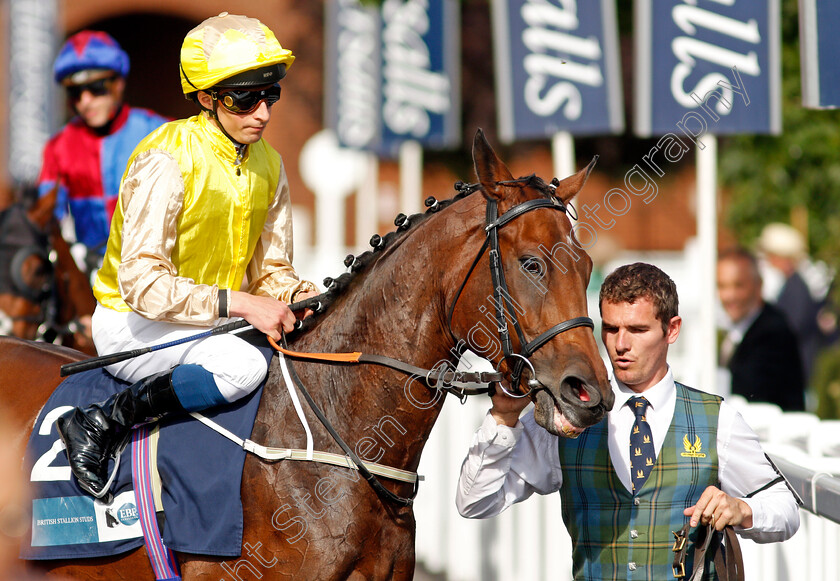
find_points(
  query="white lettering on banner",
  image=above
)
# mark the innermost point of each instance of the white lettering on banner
(357, 75)
(552, 74)
(410, 89)
(689, 50)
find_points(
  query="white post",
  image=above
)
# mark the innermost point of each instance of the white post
(563, 154)
(707, 242)
(367, 208)
(332, 173)
(411, 177)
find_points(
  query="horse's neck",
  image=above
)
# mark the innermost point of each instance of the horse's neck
(396, 309)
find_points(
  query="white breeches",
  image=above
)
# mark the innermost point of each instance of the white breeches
(237, 366)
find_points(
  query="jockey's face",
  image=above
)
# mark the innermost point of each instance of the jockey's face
(98, 99)
(245, 128)
(636, 343)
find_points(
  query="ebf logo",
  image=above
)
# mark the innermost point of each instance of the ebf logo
(127, 514)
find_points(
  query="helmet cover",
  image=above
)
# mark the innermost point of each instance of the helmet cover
(89, 50)
(237, 49)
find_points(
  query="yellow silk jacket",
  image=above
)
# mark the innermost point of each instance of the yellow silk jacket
(192, 220)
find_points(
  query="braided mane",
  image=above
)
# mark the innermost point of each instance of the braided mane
(361, 263)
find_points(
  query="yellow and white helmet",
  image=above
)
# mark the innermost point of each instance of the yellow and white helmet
(231, 51)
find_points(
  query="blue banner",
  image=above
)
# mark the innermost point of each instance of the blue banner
(353, 73)
(819, 47)
(393, 74)
(556, 68)
(421, 55)
(712, 67)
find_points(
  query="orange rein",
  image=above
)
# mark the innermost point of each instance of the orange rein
(336, 357)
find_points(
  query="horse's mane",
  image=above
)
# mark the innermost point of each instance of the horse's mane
(358, 265)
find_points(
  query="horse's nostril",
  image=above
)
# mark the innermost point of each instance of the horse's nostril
(582, 393)
(574, 390)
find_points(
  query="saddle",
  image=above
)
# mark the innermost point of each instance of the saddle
(200, 471)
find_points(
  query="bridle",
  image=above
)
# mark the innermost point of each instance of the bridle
(19, 240)
(502, 299)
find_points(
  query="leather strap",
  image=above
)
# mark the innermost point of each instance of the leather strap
(729, 563)
(444, 378)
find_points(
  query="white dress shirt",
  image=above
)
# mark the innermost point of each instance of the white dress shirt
(507, 465)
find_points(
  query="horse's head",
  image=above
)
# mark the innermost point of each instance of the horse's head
(26, 274)
(531, 322)
(39, 281)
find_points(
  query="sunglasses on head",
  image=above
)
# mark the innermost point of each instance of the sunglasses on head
(243, 101)
(95, 88)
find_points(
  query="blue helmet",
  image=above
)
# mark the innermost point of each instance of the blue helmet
(90, 49)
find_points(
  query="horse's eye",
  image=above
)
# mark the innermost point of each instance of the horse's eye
(533, 266)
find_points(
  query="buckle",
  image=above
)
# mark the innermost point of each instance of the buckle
(679, 548)
(679, 541)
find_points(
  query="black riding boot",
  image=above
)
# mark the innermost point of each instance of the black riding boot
(92, 435)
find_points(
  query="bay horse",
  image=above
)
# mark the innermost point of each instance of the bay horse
(420, 295)
(43, 294)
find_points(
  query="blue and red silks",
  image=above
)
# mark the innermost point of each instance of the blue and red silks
(88, 167)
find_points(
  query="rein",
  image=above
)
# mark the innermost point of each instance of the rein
(729, 563)
(360, 466)
(433, 378)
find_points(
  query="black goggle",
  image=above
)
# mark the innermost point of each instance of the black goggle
(95, 88)
(244, 101)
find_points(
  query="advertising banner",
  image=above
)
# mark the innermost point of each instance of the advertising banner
(715, 66)
(393, 74)
(557, 68)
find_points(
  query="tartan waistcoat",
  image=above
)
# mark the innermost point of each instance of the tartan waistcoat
(618, 535)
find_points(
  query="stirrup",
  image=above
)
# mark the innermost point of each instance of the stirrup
(106, 493)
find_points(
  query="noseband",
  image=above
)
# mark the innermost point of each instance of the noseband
(501, 296)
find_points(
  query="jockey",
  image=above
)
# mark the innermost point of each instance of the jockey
(204, 204)
(87, 158)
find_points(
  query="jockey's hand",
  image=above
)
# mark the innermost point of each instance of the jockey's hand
(303, 296)
(506, 409)
(720, 509)
(266, 314)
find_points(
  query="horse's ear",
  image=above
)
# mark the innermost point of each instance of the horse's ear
(43, 208)
(569, 187)
(488, 167)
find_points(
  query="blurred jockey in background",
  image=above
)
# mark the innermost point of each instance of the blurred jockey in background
(87, 158)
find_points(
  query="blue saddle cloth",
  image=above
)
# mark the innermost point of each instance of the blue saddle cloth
(200, 471)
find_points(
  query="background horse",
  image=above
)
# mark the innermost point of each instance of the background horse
(43, 294)
(419, 296)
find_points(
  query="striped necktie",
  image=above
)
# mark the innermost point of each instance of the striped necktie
(642, 452)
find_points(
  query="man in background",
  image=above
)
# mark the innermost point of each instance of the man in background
(758, 346)
(803, 294)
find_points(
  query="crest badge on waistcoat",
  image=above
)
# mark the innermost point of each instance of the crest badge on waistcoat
(692, 450)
